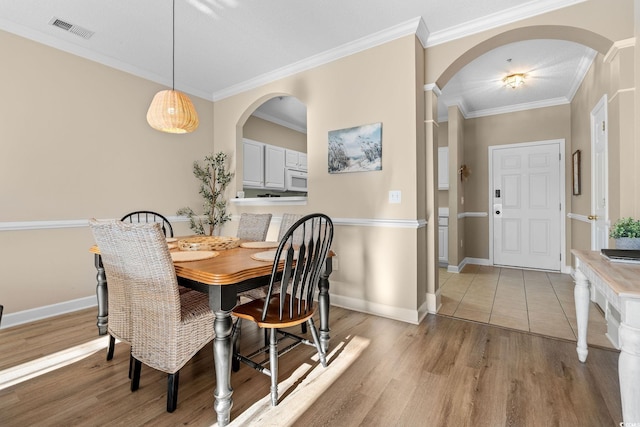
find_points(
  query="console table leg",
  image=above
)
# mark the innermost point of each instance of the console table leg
(581, 297)
(629, 373)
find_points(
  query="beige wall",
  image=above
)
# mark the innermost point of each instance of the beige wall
(539, 124)
(598, 16)
(570, 123)
(75, 144)
(594, 86)
(270, 133)
(378, 266)
(456, 141)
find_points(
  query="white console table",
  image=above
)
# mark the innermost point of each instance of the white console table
(620, 285)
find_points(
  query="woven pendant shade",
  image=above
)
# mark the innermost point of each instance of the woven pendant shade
(173, 112)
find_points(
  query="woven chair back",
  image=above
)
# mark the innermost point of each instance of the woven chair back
(141, 276)
(304, 260)
(288, 220)
(253, 227)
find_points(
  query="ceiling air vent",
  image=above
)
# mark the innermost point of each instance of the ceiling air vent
(74, 29)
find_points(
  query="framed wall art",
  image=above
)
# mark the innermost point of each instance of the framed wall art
(356, 149)
(576, 173)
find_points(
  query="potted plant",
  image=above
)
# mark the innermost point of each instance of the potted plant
(214, 179)
(626, 232)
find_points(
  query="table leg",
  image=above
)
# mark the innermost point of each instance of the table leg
(629, 373)
(102, 296)
(581, 297)
(324, 305)
(222, 360)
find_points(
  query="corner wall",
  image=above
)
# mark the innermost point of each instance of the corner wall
(377, 243)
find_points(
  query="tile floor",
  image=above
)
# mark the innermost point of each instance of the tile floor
(533, 301)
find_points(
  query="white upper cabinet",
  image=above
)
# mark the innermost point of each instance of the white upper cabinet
(274, 160)
(443, 168)
(253, 165)
(296, 160)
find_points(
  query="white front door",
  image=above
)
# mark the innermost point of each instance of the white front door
(526, 200)
(599, 178)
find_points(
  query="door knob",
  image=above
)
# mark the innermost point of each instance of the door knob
(592, 217)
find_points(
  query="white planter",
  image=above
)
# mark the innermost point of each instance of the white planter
(628, 243)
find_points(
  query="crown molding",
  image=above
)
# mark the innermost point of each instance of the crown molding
(434, 88)
(510, 108)
(581, 72)
(617, 46)
(280, 122)
(412, 26)
(87, 53)
(507, 16)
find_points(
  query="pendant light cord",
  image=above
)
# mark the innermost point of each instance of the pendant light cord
(173, 47)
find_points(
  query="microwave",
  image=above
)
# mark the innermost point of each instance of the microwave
(295, 180)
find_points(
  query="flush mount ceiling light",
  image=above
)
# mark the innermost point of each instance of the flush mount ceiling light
(172, 111)
(514, 80)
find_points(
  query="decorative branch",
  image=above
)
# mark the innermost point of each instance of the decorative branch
(214, 179)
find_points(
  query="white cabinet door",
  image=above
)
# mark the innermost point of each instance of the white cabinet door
(296, 160)
(443, 168)
(291, 158)
(253, 167)
(443, 241)
(274, 161)
(302, 161)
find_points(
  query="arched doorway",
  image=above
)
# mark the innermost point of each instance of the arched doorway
(461, 208)
(274, 141)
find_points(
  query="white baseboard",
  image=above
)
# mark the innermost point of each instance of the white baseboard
(433, 302)
(26, 316)
(382, 310)
(566, 269)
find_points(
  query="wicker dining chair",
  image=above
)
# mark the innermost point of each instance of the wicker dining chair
(168, 327)
(118, 302)
(288, 220)
(149, 216)
(253, 227)
(294, 304)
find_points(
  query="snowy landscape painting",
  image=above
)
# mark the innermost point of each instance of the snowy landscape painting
(356, 149)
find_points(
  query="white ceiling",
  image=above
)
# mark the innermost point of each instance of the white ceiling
(223, 47)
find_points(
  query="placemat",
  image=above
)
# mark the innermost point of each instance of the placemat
(259, 245)
(184, 256)
(270, 255)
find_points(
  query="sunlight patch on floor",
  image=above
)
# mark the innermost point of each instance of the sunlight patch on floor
(313, 385)
(34, 368)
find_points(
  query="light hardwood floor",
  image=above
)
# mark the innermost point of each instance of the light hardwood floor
(443, 372)
(534, 301)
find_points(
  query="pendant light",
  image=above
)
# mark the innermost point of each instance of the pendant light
(172, 111)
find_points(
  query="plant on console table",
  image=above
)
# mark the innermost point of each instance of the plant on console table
(214, 178)
(626, 232)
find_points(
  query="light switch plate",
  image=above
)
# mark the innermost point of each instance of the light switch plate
(395, 196)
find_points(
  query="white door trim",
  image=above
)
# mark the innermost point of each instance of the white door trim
(563, 194)
(601, 105)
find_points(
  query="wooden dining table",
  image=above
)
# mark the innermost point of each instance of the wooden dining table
(222, 278)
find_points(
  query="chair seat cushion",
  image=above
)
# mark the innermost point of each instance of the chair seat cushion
(253, 311)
